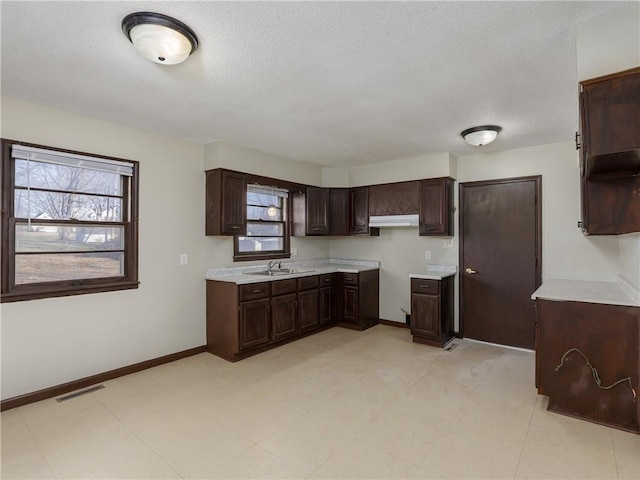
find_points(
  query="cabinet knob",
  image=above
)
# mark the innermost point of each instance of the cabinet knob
(470, 271)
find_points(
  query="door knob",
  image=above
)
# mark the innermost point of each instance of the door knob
(470, 271)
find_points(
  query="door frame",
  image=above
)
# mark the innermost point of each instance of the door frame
(538, 252)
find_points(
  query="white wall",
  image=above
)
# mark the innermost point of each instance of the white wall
(609, 43)
(566, 252)
(629, 261)
(52, 341)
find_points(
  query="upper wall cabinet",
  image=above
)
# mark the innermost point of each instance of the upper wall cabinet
(610, 124)
(317, 211)
(401, 198)
(359, 213)
(436, 207)
(226, 203)
(339, 211)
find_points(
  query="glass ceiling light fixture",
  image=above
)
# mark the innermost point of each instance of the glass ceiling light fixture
(479, 136)
(160, 38)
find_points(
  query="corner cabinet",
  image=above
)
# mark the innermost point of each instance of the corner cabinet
(432, 311)
(610, 153)
(339, 211)
(436, 207)
(226, 203)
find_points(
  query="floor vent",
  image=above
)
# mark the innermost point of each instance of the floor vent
(80, 392)
(451, 346)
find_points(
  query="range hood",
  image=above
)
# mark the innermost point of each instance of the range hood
(386, 221)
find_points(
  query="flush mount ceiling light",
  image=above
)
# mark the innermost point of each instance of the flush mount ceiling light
(160, 38)
(479, 136)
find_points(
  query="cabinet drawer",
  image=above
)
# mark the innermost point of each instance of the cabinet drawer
(326, 279)
(350, 278)
(282, 287)
(254, 290)
(425, 286)
(307, 283)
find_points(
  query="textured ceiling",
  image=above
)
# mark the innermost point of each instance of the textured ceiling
(334, 83)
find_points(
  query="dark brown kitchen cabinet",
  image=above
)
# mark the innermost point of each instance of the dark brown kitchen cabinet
(317, 211)
(283, 309)
(432, 311)
(610, 122)
(326, 301)
(399, 198)
(359, 213)
(339, 211)
(358, 299)
(610, 153)
(254, 323)
(226, 203)
(436, 207)
(308, 303)
(572, 339)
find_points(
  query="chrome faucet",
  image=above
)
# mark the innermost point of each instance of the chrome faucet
(271, 265)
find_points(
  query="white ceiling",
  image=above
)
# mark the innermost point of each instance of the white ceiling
(334, 83)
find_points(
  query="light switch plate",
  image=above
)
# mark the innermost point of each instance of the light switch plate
(427, 254)
(183, 259)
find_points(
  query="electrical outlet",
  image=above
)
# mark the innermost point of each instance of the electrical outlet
(183, 259)
(448, 243)
(294, 252)
(427, 254)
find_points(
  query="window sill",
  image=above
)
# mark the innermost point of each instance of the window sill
(65, 291)
(252, 257)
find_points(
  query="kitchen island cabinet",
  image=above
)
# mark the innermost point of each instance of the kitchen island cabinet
(587, 359)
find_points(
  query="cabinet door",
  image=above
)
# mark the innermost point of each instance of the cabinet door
(425, 316)
(254, 323)
(317, 214)
(226, 203)
(339, 211)
(326, 305)
(283, 316)
(359, 206)
(308, 309)
(436, 201)
(349, 305)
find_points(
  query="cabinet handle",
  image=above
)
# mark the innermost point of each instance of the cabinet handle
(235, 227)
(578, 144)
(424, 286)
(315, 229)
(431, 229)
(257, 290)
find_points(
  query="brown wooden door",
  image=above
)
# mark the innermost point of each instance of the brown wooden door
(317, 211)
(500, 258)
(339, 211)
(254, 323)
(425, 315)
(308, 309)
(283, 316)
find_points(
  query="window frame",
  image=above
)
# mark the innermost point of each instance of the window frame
(12, 292)
(239, 256)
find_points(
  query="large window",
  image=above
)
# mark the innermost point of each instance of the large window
(69, 222)
(267, 227)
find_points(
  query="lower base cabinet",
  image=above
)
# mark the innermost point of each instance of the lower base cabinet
(587, 361)
(432, 311)
(243, 320)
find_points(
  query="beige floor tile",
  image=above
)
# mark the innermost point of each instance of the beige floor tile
(554, 454)
(422, 474)
(13, 427)
(459, 456)
(21, 458)
(46, 410)
(627, 452)
(359, 461)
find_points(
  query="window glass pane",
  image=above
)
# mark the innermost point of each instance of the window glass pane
(60, 238)
(65, 206)
(260, 244)
(265, 229)
(262, 213)
(73, 179)
(73, 266)
(263, 200)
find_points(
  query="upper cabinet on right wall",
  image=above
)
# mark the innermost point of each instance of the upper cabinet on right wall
(610, 153)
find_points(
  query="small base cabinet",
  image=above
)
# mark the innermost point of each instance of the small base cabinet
(432, 311)
(358, 299)
(574, 340)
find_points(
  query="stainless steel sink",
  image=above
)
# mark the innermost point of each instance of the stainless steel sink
(278, 272)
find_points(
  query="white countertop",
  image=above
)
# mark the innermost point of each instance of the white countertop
(612, 293)
(436, 272)
(243, 275)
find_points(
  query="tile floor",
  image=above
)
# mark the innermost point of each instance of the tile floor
(339, 404)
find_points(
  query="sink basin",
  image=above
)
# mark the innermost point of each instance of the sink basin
(279, 272)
